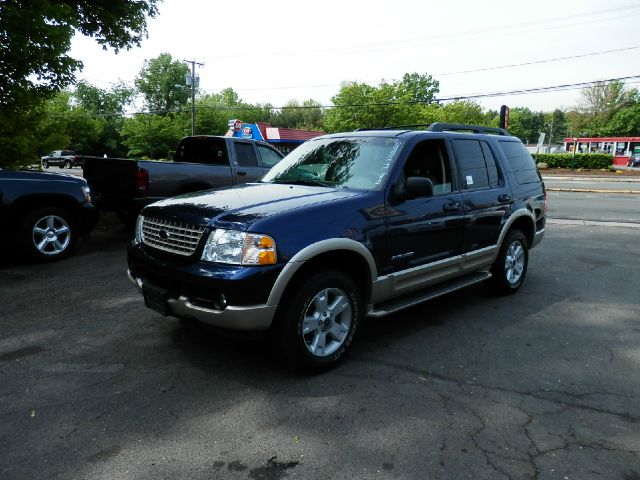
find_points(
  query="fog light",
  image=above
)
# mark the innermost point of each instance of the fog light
(222, 301)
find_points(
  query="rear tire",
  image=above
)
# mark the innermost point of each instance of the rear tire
(318, 320)
(45, 164)
(509, 269)
(67, 164)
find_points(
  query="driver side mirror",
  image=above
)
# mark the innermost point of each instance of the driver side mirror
(416, 187)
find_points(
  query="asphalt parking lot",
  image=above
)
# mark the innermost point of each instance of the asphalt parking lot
(541, 385)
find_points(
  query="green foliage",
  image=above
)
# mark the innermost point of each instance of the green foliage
(305, 116)
(162, 82)
(35, 36)
(526, 124)
(154, 136)
(581, 160)
(358, 105)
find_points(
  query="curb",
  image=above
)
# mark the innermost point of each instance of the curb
(591, 223)
(589, 190)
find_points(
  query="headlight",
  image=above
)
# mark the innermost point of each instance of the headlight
(239, 248)
(138, 236)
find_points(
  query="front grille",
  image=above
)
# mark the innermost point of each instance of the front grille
(174, 237)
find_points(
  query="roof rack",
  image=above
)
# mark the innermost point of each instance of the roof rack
(445, 127)
(462, 127)
(395, 127)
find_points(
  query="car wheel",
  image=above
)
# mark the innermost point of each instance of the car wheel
(45, 164)
(510, 268)
(318, 320)
(67, 164)
(47, 234)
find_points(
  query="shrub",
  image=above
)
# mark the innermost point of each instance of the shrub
(581, 160)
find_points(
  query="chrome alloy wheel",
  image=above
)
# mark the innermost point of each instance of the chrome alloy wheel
(326, 322)
(514, 262)
(51, 235)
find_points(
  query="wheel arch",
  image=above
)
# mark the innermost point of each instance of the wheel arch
(28, 203)
(342, 254)
(523, 220)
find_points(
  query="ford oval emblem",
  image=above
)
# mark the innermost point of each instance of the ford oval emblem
(164, 235)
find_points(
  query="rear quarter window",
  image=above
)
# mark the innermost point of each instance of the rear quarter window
(522, 164)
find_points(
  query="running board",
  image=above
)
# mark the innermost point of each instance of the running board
(415, 298)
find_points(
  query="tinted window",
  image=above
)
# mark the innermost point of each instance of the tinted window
(209, 150)
(269, 157)
(492, 170)
(471, 161)
(521, 162)
(246, 155)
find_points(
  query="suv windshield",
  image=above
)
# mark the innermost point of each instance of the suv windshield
(357, 162)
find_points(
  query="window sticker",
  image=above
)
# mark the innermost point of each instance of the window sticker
(469, 180)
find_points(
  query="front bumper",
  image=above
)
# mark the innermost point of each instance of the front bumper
(254, 317)
(229, 297)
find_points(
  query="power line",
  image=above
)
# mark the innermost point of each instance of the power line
(456, 37)
(521, 91)
(460, 72)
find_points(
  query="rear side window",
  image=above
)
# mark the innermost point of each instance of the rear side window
(210, 150)
(246, 155)
(521, 162)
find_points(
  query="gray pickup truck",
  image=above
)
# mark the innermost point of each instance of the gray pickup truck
(203, 162)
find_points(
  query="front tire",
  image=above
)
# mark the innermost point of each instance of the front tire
(509, 269)
(318, 320)
(47, 234)
(45, 164)
(67, 164)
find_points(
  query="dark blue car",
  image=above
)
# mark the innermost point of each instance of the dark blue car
(348, 225)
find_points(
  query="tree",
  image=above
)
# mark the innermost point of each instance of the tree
(163, 84)
(525, 124)
(306, 116)
(358, 105)
(556, 125)
(106, 107)
(35, 36)
(154, 136)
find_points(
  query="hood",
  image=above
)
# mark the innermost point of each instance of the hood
(239, 206)
(34, 176)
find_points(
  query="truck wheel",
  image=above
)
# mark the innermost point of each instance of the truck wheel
(510, 268)
(45, 164)
(47, 234)
(319, 320)
(67, 164)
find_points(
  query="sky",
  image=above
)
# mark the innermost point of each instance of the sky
(273, 52)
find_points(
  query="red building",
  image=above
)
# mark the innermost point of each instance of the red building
(284, 139)
(620, 147)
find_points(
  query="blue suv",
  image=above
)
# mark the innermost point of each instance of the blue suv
(348, 225)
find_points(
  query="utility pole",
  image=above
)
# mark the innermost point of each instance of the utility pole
(193, 93)
(550, 132)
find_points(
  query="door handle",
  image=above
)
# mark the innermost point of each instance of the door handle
(241, 174)
(452, 207)
(504, 197)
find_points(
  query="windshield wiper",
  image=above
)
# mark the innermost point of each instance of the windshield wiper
(304, 181)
